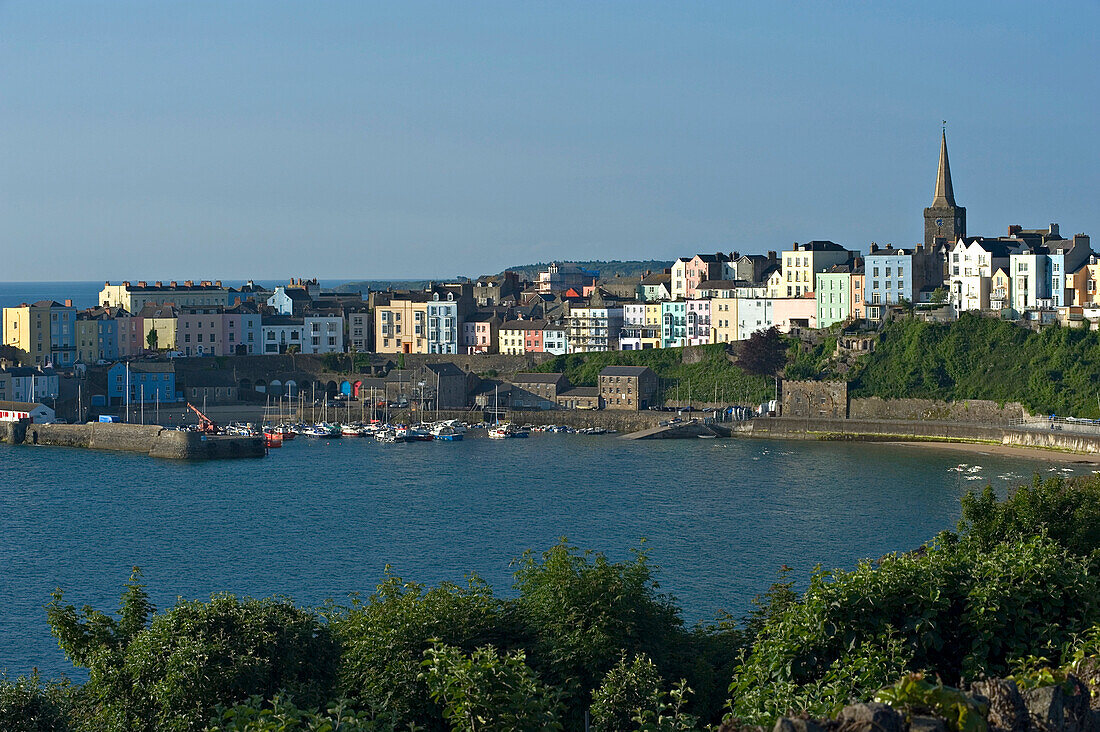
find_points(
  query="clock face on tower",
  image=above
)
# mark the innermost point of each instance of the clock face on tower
(939, 222)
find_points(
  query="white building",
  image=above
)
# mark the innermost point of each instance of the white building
(323, 334)
(35, 412)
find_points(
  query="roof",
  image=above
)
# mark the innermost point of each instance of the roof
(819, 245)
(24, 371)
(20, 406)
(445, 368)
(48, 304)
(624, 370)
(580, 391)
(838, 269)
(659, 278)
(147, 367)
(716, 285)
(534, 378)
(280, 320)
(158, 310)
(524, 325)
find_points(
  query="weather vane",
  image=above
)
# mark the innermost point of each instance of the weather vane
(945, 126)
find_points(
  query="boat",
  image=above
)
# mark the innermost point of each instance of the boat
(446, 432)
(320, 431)
(388, 436)
(453, 424)
(351, 430)
(420, 433)
(272, 439)
(506, 430)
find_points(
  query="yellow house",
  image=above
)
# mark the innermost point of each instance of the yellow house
(162, 318)
(802, 262)
(133, 297)
(401, 323)
(87, 339)
(723, 319)
(45, 332)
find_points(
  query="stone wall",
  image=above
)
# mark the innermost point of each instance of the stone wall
(918, 430)
(144, 439)
(974, 411)
(815, 399)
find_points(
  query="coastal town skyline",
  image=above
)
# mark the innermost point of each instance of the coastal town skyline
(349, 142)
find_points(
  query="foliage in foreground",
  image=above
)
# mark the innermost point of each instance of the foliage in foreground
(1014, 592)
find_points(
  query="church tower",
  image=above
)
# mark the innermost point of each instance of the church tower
(944, 222)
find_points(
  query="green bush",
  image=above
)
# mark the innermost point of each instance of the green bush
(586, 611)
(627, 689)
(385, 637)
(281, 715)
(955, 609)
(487, 692)
(29, 705)
(173, 673)
(1066, 511)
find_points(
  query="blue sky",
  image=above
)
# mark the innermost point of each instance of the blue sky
(233, 139)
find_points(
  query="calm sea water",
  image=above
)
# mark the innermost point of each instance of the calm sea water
(320, 519)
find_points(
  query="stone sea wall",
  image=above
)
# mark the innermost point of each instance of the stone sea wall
(917, 430)
(975, 411)
(143, 439)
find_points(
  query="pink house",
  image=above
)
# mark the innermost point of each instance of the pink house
(130, 330)
(199, 332)
(797, 311)
(479, 333)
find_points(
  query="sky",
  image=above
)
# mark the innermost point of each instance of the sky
(232, 139)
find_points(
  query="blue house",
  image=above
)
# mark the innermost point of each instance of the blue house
(150, 382)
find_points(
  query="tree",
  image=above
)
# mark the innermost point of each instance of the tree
(152, 339)
(939, 295)
(764, 353)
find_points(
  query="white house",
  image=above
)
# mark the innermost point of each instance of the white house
(323, 334)
(35, 412)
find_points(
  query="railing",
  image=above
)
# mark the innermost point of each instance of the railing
(1058, 424)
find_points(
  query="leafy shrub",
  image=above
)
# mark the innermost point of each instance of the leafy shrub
(29, 705)
(281, 715)
(1066, 511)
(384, 640)
(587, 611)
(487, 692)
(953, 609)
(173, 674)
(627, 689)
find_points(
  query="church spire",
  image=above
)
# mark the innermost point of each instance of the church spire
(945, 195)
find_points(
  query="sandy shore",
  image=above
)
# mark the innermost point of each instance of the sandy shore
(1031, 453)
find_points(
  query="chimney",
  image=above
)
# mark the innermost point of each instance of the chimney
(68, 303)
(217, 283)
(1054, 230)
(874, 247)
(107, 283)
(173, 283)
(188, 283)
(143, 283)
(158, 283)
(1014, 229)
(205, 283)
(126, 283)
(772, 255)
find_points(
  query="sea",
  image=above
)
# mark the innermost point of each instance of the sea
(319, 520)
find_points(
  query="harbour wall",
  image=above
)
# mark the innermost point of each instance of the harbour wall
(621, 420)
(143, 439)
(973, 411)
(916, 431)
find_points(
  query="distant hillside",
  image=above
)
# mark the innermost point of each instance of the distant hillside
(628, 268)
(380, 285)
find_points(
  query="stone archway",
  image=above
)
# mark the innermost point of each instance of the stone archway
(245, 385)
(261, 386)
(290, 388)
(275, 388)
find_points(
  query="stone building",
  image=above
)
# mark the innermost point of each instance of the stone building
(944, 221)
(537, 391)
(815, 399)
(628, 387)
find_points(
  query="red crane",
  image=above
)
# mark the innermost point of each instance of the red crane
(206, 424)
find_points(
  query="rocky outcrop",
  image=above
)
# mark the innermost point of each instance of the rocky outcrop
(1064, 707)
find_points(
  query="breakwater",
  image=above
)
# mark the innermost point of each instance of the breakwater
(145, 439)
(917, 431)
